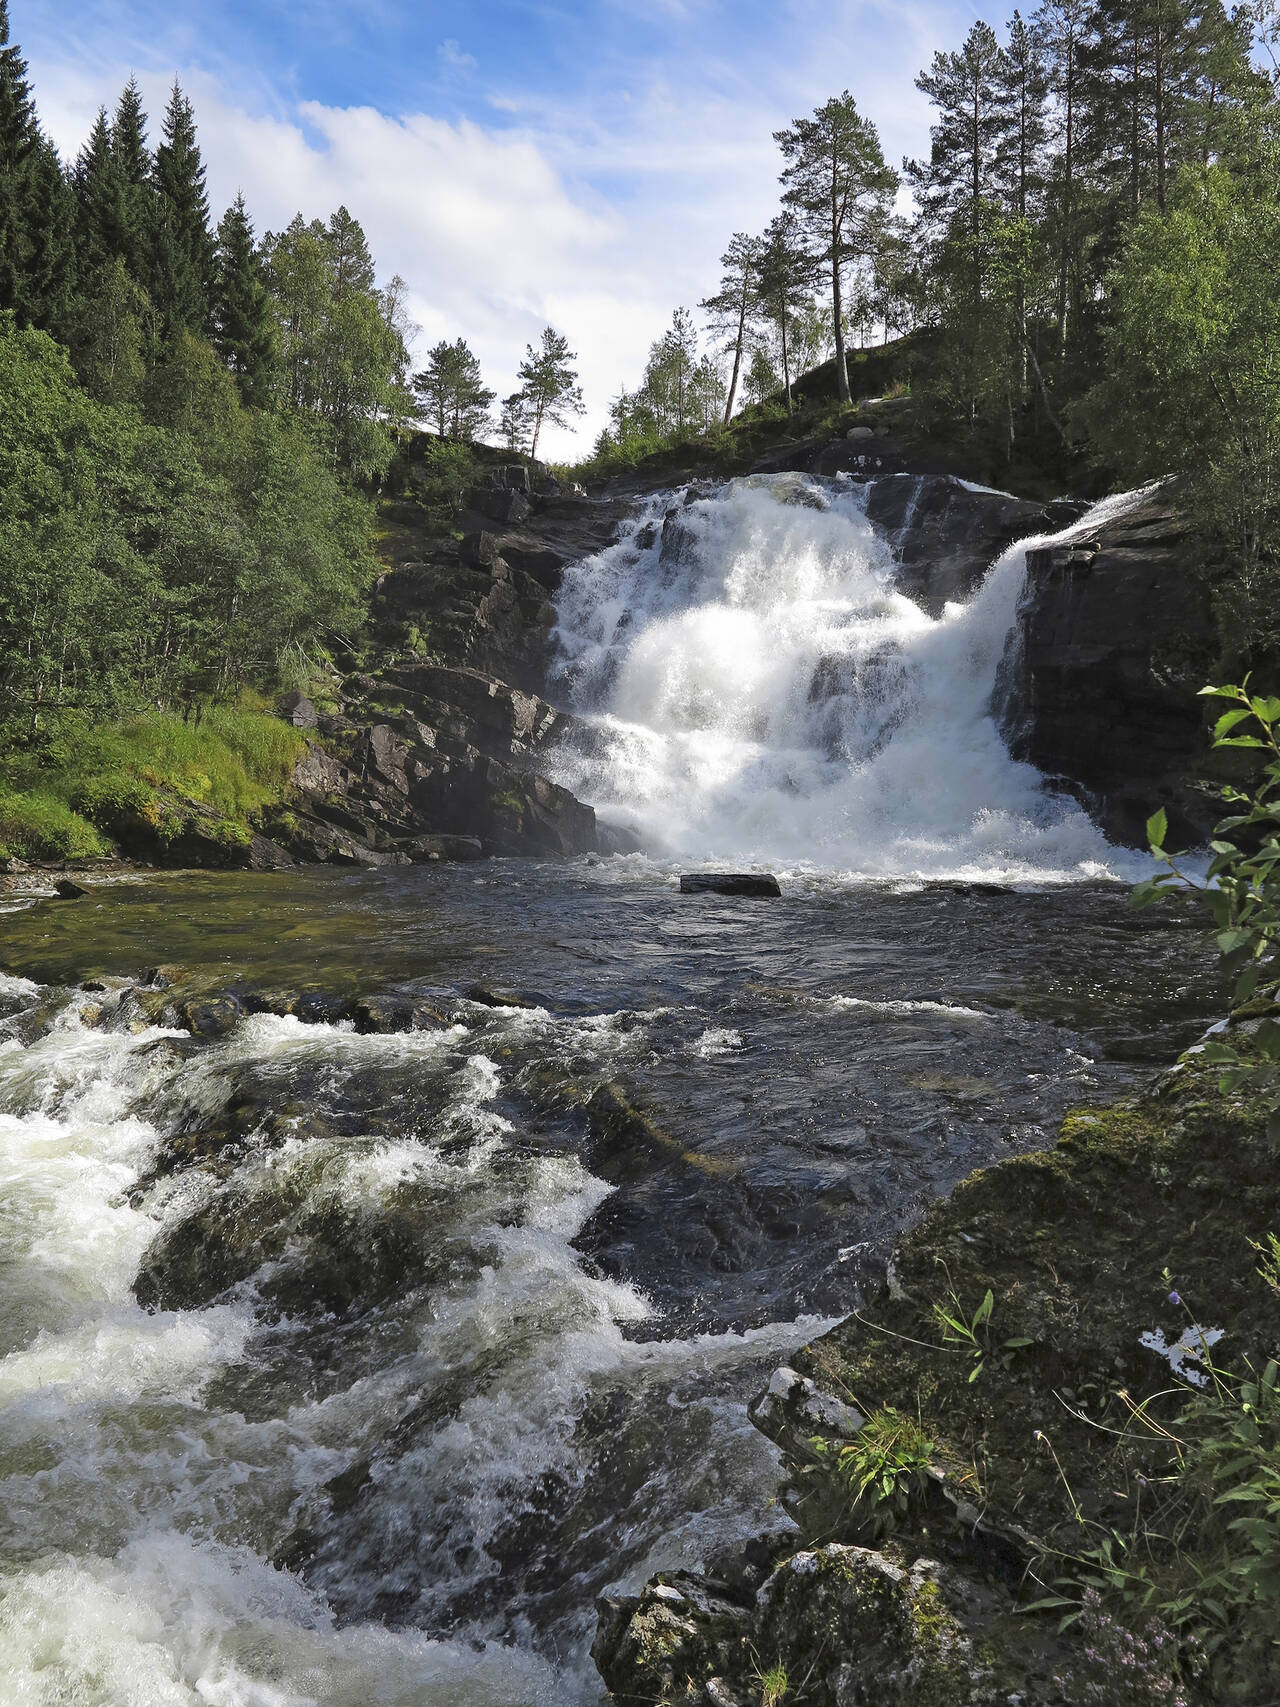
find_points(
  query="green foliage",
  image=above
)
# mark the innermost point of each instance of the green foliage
(97, 780)
(160, 564)
(972, 1333)
(444, 472)
(1196, 1573)
(36, 824)
(774, 1684)
(882, 1471)
(1241, 889)
(342, 351)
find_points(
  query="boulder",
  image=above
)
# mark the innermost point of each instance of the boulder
(498, 503)
(66, 890)
(1113, 639)
(479, 551)
(792, 1409)
(729, 883)
(300, 711)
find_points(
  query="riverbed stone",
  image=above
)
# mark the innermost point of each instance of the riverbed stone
(747, 883)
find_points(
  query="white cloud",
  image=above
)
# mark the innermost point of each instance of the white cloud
(451, 55)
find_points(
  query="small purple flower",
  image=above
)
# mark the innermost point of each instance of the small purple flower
(1174, 1298)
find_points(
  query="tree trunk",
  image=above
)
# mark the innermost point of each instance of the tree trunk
(537, 428)
(737, 359)
(1159, 94)
(1067, 188)
(842, 372)
(786, 362)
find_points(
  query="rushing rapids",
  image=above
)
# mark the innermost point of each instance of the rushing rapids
(754, 687)
(349, 1366)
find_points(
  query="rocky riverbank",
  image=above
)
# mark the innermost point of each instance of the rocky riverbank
(1032, 1450)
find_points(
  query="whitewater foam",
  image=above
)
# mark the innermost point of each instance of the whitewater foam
(754, 690)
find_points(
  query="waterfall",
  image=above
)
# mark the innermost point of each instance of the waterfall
(751, 687)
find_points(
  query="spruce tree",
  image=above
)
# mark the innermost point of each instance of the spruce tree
(133, 165)
(19, 140)
(243, 319)
(181, 250)
(50, 261)
(102, 223)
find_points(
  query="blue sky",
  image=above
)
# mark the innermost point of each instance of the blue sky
(515, 161)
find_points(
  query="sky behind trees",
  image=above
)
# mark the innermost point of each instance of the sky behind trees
(518, 162)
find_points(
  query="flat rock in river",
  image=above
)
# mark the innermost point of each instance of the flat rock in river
(729, 883)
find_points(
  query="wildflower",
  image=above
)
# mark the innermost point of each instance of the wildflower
(1174, 1298)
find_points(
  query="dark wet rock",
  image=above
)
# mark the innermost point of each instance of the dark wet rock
(680, 1630)
(397, 1013)
(1113, 640)
(66, 890)
(849, 1626)
(212, 1017)
(617, 839)
(479, 551)
(425, 850)
(504, 996)
(946, 535)
(500, 504)
(729, 883)
(792, 1409)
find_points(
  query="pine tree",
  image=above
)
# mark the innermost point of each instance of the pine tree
(181, 250)
(243, 321)
(837, 181)
(731, 307)
(1024, 94)
(452, 392)
(133, 164)
(784, 283)
(513, 422)
(1062, 27)
(550, 386)
(970, 89)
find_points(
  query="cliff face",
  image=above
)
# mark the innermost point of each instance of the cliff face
(1113, 640)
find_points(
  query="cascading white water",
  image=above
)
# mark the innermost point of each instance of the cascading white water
(754, 689)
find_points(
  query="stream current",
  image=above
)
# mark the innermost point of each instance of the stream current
(345, 1367)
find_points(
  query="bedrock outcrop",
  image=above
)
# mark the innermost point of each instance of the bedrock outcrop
(1092, 1255)
(1113, 639)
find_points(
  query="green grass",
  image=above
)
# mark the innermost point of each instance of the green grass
(35, 824)
(93, 780)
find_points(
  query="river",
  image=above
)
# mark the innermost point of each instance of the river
(350, 1366)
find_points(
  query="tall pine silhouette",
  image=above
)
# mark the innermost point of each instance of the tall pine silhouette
(133, 165)
(181, 248)
(36, 256)
(243, 320)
